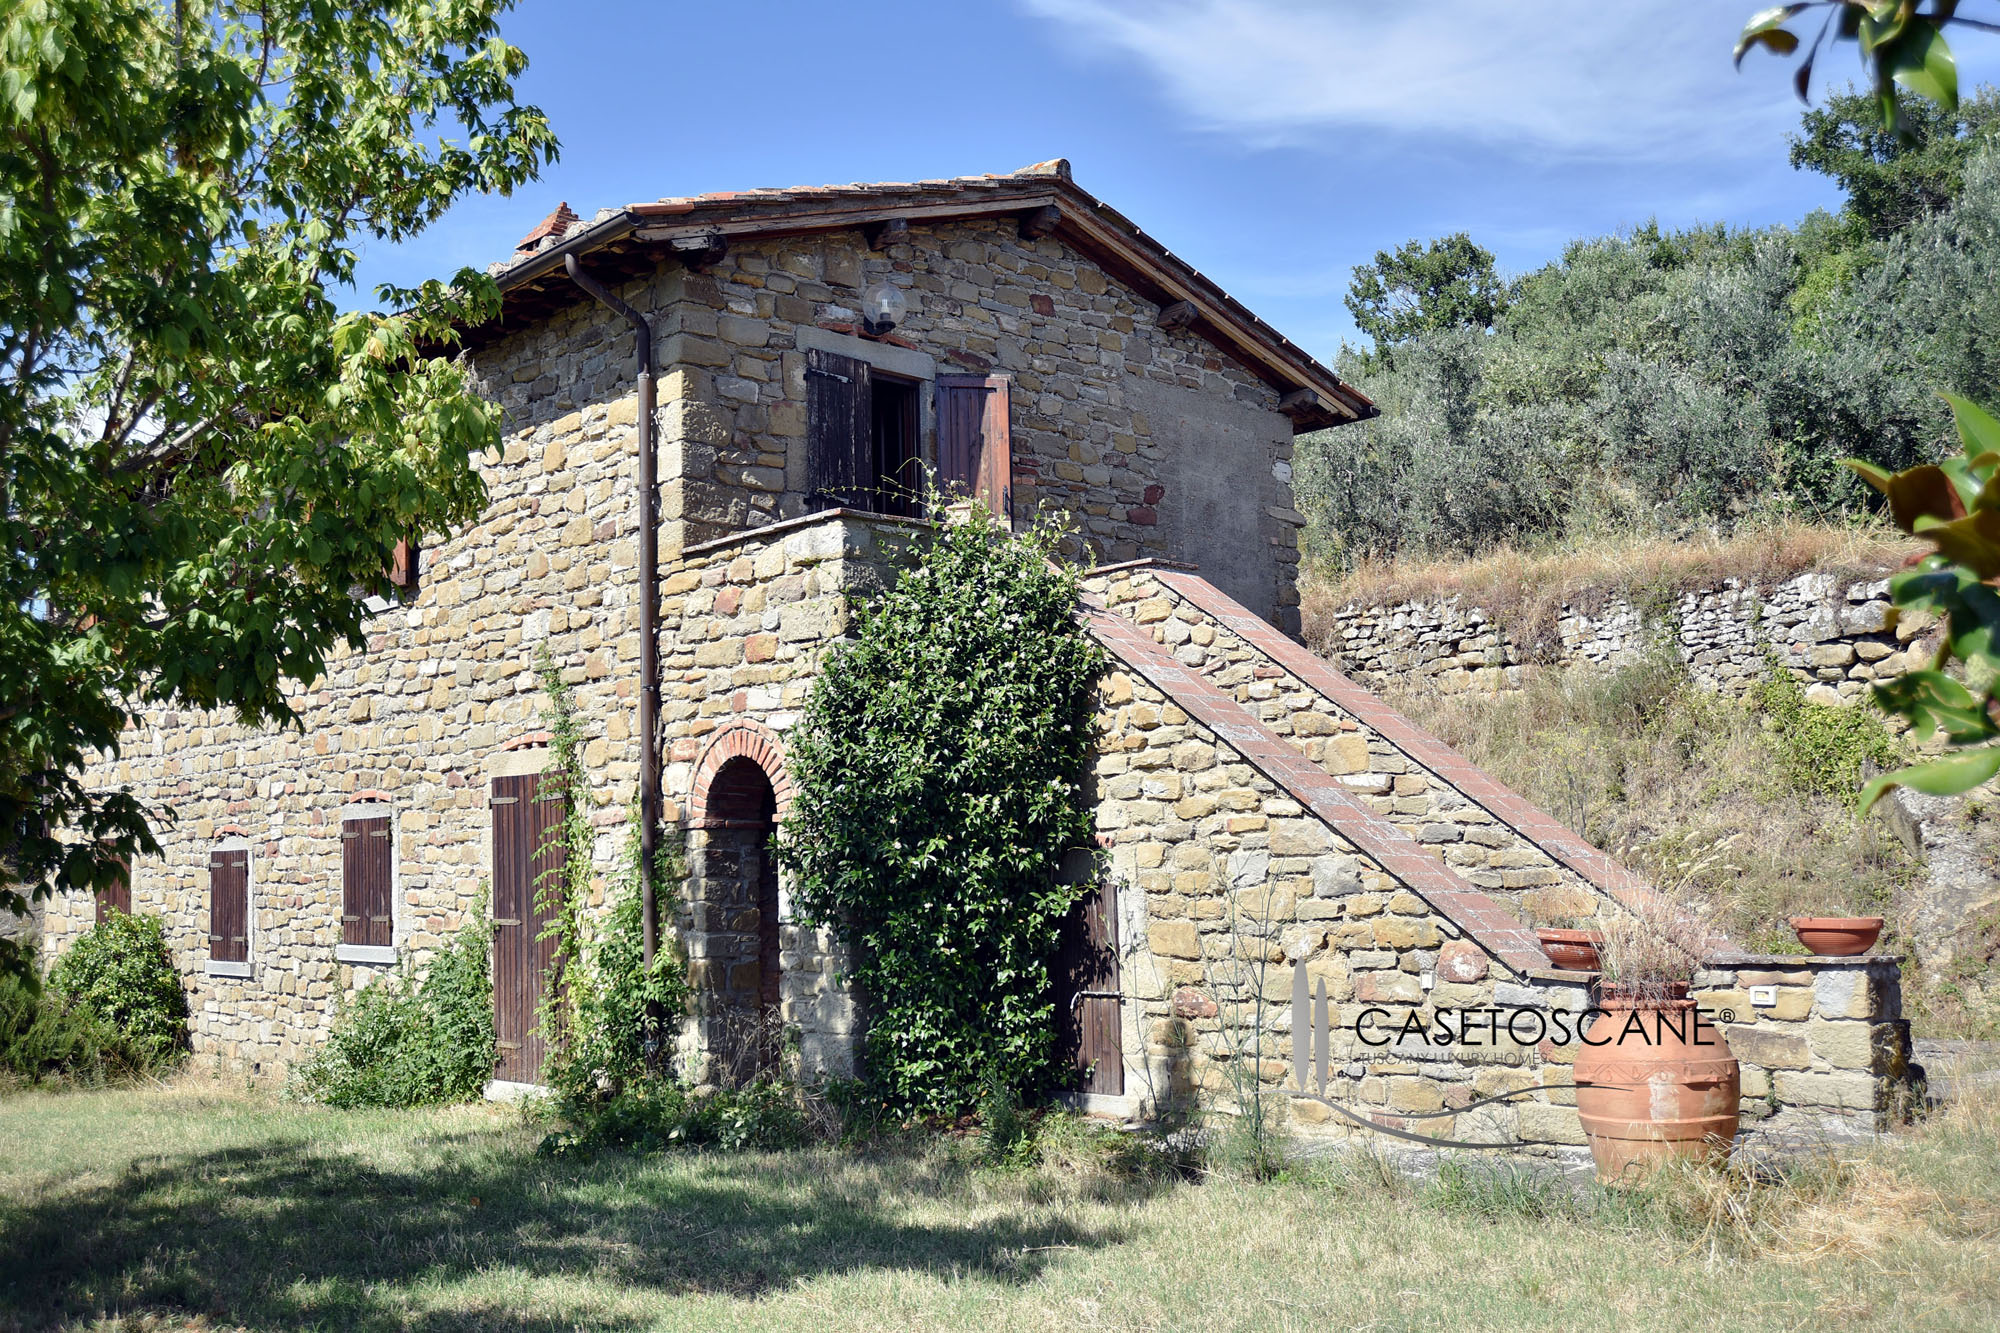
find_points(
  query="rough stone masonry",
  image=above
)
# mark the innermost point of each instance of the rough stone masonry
(1265, 816)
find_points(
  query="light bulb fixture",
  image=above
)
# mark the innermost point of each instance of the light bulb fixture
(883, 307)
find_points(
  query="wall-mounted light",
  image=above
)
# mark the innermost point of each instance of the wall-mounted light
(882, 308)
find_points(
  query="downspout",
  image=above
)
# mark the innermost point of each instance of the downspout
(649, 610)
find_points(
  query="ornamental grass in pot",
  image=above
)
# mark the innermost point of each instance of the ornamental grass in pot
(1655, 1082)
(1571, 942)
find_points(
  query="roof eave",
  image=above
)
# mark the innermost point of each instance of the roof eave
(1315, 397)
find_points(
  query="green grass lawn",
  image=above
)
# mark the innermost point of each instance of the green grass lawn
(198, 1207)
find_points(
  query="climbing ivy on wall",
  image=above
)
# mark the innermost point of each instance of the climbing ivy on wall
(940, 768)
(602, 1007)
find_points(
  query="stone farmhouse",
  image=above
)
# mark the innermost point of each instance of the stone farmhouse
(812, 355)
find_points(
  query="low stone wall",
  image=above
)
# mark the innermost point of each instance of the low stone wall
(1249, 875)
(1822, 1042)
(1835, 635)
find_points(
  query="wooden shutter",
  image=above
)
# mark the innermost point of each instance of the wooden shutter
(117, 898)
(521, 957)
(975, 441)
(403, 565)
(229, 907)
(366, 877)
(840, 455)
(1088, 1030)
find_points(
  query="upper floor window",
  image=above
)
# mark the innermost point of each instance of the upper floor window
(863, 441)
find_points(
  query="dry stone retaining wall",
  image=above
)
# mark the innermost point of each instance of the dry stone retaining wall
(1834, 635)
(1822, 1042)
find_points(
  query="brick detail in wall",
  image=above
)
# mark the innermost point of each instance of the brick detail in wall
(740, 740)
(1490, 925)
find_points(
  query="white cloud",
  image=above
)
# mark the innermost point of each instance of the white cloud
(1564, 79)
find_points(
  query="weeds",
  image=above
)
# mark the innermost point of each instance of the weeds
(1682, 785)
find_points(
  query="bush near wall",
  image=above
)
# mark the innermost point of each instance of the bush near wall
(403, 1043)
(940, 769)
(112, 1008)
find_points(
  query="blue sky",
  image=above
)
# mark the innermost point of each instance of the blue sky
(1274, 144)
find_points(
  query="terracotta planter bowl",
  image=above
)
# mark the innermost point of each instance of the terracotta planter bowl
(1575, 950)
(1838, 936)
(1652, 1087)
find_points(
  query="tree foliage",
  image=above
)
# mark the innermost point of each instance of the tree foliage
(941, 767)
(1671, 381)
(1424, 287)
(202, 460)
(1894, 180)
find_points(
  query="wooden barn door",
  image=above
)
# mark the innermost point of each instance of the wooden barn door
(1087, 1010)
(522, 821)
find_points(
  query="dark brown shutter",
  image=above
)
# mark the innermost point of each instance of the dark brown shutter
(521, 957)
(840, 455)
(229, 907)
(975, 439)
(1088, 1031)
(366, 906)
(118, 897)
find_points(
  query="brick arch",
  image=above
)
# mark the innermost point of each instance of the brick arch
(741, 739)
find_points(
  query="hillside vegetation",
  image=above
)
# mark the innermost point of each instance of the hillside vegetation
(1673, 382)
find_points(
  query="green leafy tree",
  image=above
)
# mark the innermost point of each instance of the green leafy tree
(202, 460)
(1421, 287)
(941, 767)
(1953, 504)
(1894, 180)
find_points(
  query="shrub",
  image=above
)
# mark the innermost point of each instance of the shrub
(1822, 748)
(45, 1038)
(612, 997)
(660, 1115)
(120, 970)
(940, 769)
(398, 1043)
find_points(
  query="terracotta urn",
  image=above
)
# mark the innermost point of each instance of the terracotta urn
(1654, 1084)
(1572, 949)
(1838, 936)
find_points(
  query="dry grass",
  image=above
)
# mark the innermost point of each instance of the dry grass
(1684, 787)
(1522, 590)
(174, 1210)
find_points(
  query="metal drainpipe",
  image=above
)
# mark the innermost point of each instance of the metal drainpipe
(649, 606)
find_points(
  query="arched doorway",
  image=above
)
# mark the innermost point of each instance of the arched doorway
(736, 923)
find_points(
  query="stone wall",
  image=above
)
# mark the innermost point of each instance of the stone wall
(1484, 833)
(1228, 886)
(1230, 910)
(744, 621)
(1834, 635)
(1153, 442)
(442, 699)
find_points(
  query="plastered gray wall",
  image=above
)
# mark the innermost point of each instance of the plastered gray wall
(1222, 483)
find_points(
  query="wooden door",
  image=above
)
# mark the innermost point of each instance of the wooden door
(523, 818)
(1087, 1007)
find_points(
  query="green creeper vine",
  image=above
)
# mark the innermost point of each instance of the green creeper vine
(607, 1007)
(941, 767)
